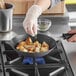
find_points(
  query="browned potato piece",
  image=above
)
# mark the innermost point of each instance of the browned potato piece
(30, 51)
(30, 47)
(37, 44)
(44, 44)
(28, 41)
(44, 49)
(21, 48)
(37, 49)
(17, 47)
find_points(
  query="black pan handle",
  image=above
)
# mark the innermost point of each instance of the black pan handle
(67, 35)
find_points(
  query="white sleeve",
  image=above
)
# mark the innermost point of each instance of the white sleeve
(54, 2)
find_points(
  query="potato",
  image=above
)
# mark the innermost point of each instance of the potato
(22, 43)
(44, 44)
(21, 48)
(28, 41)
(37, 44)
(37, 49)
(31, 47)
(44, 49)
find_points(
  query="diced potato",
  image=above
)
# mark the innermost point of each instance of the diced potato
(44, 49)
(30, 51)
(37, 44)
(23, 49)
(17, 47)
(37, 49)
(28, 41)
(44, 44)
(30, 47)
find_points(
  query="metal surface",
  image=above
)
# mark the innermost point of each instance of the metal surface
(70, 49)
(56, 63)
(57, 71)
(6, 18)
(7, 36)
(55, 31)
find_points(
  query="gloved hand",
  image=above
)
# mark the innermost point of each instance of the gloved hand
(30, 21)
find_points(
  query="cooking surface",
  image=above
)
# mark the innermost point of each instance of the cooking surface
(55, 63)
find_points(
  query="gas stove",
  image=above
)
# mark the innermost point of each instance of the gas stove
(56, 63)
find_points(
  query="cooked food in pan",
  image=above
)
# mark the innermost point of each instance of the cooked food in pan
(29, 46)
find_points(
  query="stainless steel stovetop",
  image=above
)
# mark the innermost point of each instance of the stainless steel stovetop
(60, 26)
(56, 63)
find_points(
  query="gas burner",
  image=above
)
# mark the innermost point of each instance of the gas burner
(53, 64)
(29, 60)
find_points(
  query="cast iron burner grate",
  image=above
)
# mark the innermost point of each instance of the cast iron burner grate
(56, 63)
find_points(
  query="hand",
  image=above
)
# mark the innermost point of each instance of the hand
(30, 21)
(30, 26)
(73, 38)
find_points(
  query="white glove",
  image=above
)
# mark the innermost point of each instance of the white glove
(30, 21)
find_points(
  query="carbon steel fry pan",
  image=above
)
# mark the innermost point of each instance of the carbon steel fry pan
(40, 37)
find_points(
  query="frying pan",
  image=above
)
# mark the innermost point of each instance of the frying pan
(40, 37)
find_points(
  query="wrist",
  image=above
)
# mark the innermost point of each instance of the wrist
(34, 12)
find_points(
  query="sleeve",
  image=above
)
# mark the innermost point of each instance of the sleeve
(54, 2)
